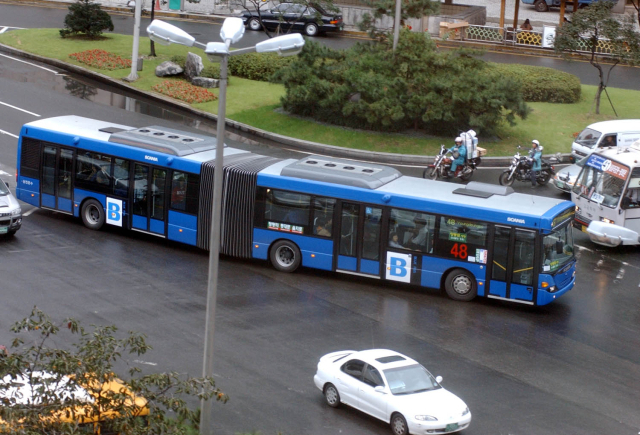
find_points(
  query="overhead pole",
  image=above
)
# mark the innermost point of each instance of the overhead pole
(563, 5)
(396, 24)
(515, 17)
(503, 6)
(133, 76)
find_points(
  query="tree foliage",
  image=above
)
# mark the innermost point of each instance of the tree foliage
(86, 17)
(90, 362)
(370, 87)
(370, 22)
(591, 30)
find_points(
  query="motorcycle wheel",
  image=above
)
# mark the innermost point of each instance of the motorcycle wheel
(430, 173)
(466, 176)
(543, 178)
(505, 180)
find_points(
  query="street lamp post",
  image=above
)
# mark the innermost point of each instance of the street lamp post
(231, 32)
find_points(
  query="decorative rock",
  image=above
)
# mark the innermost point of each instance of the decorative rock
(205, 82)
(193, 66)
(168, 68)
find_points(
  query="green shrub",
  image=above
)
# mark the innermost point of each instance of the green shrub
(86, 17)
(258, 66)
(179, 59)
(211, 71)
(540, 84)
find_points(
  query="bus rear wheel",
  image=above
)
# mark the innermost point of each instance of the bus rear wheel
(285, 256)
(92, 214)
(460, 285)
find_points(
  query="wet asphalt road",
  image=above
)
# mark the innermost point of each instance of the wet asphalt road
(568, 368)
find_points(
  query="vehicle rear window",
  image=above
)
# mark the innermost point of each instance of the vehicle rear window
(390, 359)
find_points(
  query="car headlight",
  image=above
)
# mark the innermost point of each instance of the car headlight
(606, 220)
(426, 418)
(16, 212)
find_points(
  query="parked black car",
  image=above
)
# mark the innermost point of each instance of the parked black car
(311, 20)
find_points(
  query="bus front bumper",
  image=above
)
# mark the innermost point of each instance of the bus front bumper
(611, 235)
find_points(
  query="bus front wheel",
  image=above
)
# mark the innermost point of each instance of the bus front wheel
(92, 214)
(285, 256)
(461, 285)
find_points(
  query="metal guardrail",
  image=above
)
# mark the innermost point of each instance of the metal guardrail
(519, 37)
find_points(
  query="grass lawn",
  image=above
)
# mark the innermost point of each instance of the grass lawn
(256, 103)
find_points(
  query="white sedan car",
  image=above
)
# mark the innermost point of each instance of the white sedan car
(392, 387)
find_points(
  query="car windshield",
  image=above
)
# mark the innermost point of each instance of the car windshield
(602, 187)
(588, 138)
(4, 190)
(558, 249)
(410, 380)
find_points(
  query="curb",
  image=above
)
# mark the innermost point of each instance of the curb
(246, 130)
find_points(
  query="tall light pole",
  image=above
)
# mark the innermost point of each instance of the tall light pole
(231, 32)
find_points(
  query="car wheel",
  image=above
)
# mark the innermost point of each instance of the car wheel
(461, 285)
(505, 180)
(332, 396)
(254, 24)
(541, 6)
(311, 29)
(92, 214)
(285, 256)
(399, 425)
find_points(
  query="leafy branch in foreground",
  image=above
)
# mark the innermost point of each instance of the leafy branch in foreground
(51, 391)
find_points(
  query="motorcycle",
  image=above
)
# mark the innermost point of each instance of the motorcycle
(520, 170)
(441, 167)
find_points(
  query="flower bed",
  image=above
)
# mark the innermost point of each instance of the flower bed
(101, 59)
(184, 91)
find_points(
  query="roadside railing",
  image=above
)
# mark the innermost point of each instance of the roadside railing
(527, 38)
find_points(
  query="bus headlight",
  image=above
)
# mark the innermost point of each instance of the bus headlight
(552, 289)
(608, 221)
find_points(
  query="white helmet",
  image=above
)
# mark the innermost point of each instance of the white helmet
(458, 139)
(536, 142)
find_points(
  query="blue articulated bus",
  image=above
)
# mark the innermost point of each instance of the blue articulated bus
(319, 212)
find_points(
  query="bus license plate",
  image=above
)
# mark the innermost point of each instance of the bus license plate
(584, 228)
(451, 426)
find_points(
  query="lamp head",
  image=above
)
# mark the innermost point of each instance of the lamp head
(232, 30)
(166, 34)
(216, 50)
(285, 45)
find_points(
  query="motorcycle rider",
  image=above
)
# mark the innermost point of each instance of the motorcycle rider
(462, 153)
(535, 154)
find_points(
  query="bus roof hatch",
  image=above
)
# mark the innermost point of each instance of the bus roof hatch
(484, 190)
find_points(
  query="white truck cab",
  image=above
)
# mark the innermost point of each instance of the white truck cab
(605, 134)
(607, 196)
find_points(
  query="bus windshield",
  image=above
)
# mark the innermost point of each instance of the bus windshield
(602, 185)
(558, 249)
(588, 138)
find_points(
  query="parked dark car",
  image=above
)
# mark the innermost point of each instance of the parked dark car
(311, 20)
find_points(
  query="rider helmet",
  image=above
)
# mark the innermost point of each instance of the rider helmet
(535, 142)
(458, 139)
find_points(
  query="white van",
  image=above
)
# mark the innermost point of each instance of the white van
(605, 134)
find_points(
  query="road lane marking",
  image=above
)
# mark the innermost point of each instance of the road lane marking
(17, 108)
(28, 213)
(32, 64)
(5, 28)
(145, 362)
(9, 134)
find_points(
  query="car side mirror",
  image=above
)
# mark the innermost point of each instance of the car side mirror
(379, 389)
(439, 379)
(8, 185)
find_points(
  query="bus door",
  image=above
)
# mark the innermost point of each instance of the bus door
(359, 244)
(512, 271)
(56, 191)
(149, 199)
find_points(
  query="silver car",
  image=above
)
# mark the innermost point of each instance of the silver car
(10, 211)
(566, 178)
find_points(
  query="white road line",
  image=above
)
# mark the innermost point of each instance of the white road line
(29, 63)
(5, 28)
(4, 173)
(27, 213)
(17, 108)
(9, 134)
(144, 362)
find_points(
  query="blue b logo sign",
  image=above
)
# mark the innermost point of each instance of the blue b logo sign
(114, 212)
(398, 267)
